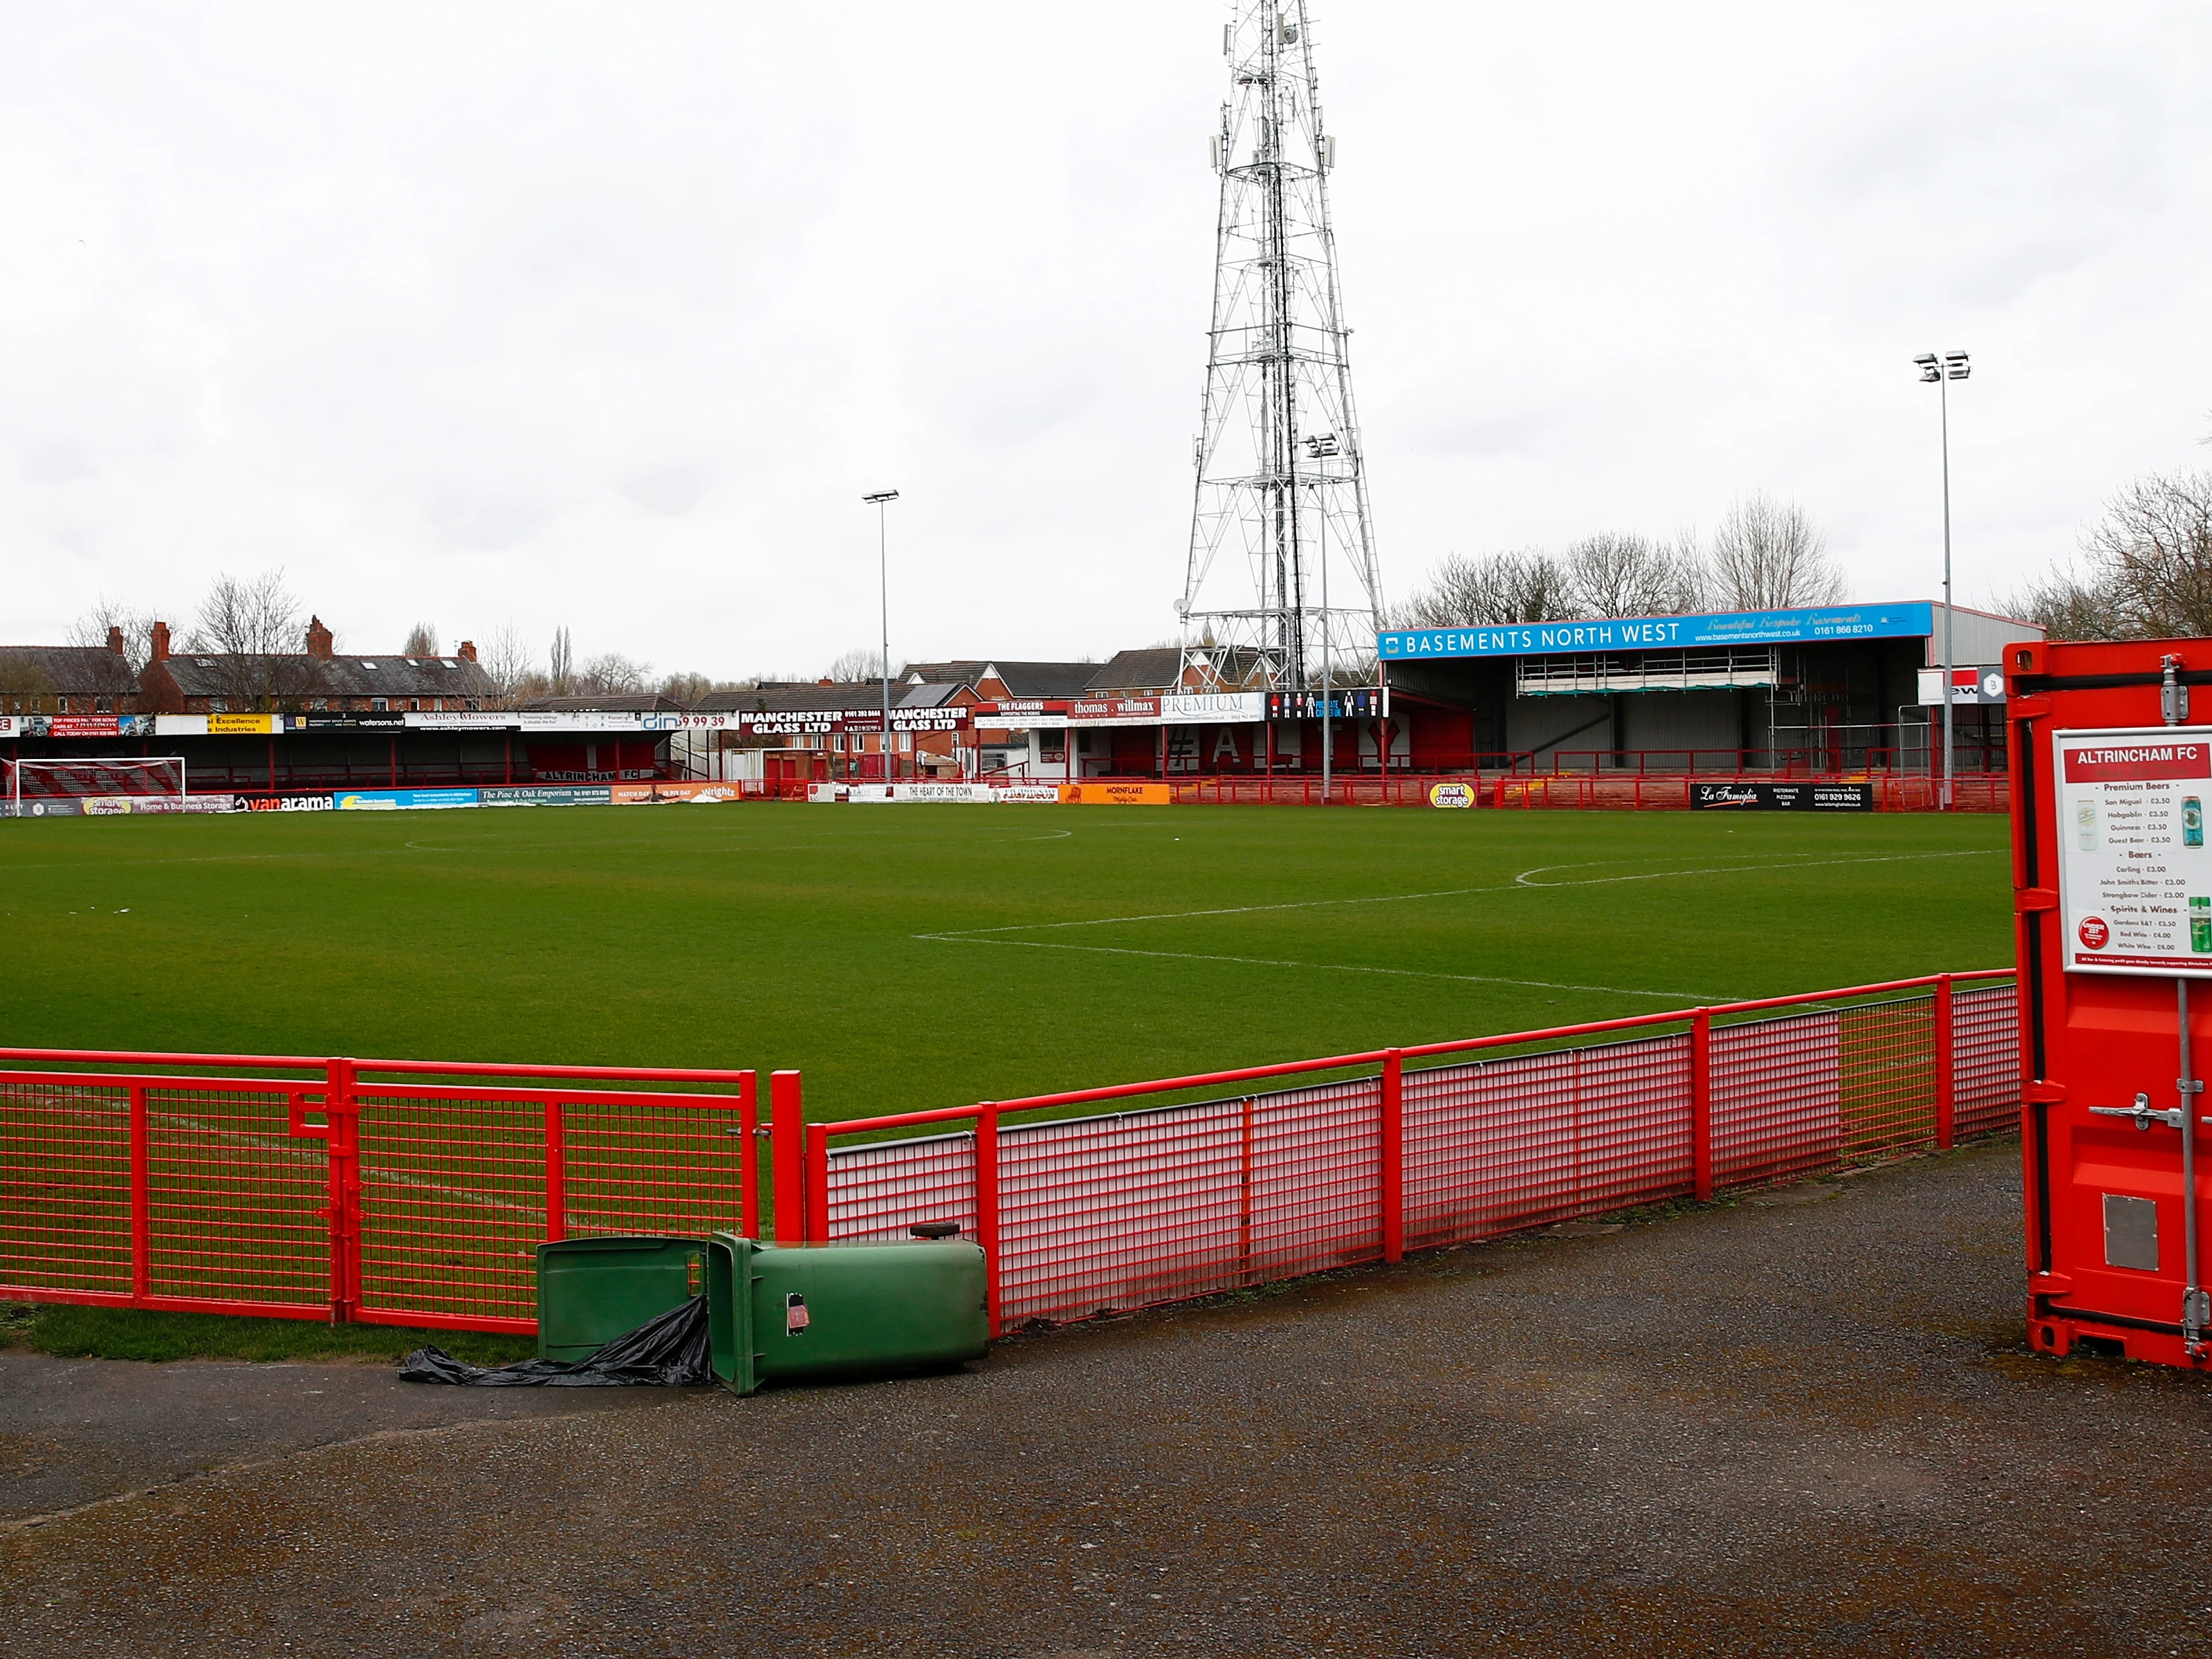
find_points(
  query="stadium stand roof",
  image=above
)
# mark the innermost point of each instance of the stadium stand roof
(794, 698)
(1156, 668)
(1020, 679)
(608, 703)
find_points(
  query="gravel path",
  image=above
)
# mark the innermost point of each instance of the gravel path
(1800, 1424)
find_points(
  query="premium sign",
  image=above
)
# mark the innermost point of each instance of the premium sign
(1207, 708)
(2134, 876)
(1782, 797)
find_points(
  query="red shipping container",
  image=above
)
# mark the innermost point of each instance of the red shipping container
(2113, 901)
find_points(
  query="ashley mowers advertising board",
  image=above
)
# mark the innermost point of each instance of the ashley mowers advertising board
(1782, 797)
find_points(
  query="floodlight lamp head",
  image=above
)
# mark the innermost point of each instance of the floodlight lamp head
(1323, 444)
(1930, 369)
(878, 497)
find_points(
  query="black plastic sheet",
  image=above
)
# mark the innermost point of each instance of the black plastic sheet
(668, 1350)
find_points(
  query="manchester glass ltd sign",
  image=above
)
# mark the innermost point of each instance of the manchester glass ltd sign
(1834, 621)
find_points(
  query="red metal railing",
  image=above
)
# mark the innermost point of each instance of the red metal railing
(415, 1192)
(387, 1192)
(1084, 1215)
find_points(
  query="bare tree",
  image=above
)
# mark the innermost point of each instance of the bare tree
(2152, 553)
(2069, 607)
(1768, 555)
(251, 628)
(508, 664)
(612, 673)
(422, 642)
(561, 680)
(1496, 589)
(96, 628)
(861, 663)
(1616, 575)
(687, 687)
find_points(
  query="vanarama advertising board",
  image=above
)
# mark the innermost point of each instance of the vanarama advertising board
(2134, 876)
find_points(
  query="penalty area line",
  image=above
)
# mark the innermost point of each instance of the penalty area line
(1692, 997)
(1520, 883)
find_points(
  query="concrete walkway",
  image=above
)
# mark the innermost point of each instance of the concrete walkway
(1801, 1423)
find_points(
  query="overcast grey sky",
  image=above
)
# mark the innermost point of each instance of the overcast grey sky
(606, 316)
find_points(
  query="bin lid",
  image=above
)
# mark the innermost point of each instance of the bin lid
(617, 1242)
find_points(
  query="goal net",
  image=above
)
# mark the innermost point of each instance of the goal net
(36, 788)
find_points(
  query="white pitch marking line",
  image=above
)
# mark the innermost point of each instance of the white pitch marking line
(1519, 884)
(1522, 880)
(1327, 967)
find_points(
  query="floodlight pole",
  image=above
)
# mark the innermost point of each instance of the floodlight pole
(882, 499)
(1953, 366)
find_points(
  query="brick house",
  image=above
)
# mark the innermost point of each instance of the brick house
(68, 679)
(316, 680)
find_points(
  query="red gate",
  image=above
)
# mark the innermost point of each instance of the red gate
(387, 1192)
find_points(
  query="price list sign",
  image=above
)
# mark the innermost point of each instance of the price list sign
(2134, 876)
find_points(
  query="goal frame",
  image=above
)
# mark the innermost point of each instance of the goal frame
(39, 764)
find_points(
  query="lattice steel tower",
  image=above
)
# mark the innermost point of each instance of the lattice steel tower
(1282, 555)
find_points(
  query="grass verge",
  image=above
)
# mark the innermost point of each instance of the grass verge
(129, 1334)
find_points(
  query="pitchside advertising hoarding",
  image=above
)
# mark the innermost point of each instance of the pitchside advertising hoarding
(1839, 621)
(2134, 876)
(1782, 797)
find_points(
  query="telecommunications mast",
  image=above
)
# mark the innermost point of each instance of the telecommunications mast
(1282, 489)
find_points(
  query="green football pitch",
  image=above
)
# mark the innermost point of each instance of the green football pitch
(914, 956)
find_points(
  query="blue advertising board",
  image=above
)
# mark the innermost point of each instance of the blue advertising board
(1834, 621)
(401, 800)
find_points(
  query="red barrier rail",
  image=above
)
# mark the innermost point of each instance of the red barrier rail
(385, 1192)
(1225, 1193)
(415, 1192)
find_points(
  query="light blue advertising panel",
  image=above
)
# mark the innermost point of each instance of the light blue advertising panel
(401, 800)
(1834, 621)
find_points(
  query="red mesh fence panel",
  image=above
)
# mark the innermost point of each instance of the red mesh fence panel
(1502, 1143)
(1094, 1214)
(1777, 1098)
(653, 1169)
(235, 1204)
(64, 1187)
(1985, 1059)
(452, 1207)
(1888, 1063)
(880, 1188)
(1142, 1207)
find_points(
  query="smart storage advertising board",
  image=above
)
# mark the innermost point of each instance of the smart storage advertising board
(2135, 875)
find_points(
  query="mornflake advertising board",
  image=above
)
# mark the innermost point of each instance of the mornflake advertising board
(2135, 875)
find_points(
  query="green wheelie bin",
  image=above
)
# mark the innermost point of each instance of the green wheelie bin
(844, 1309)
(591, 1290)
